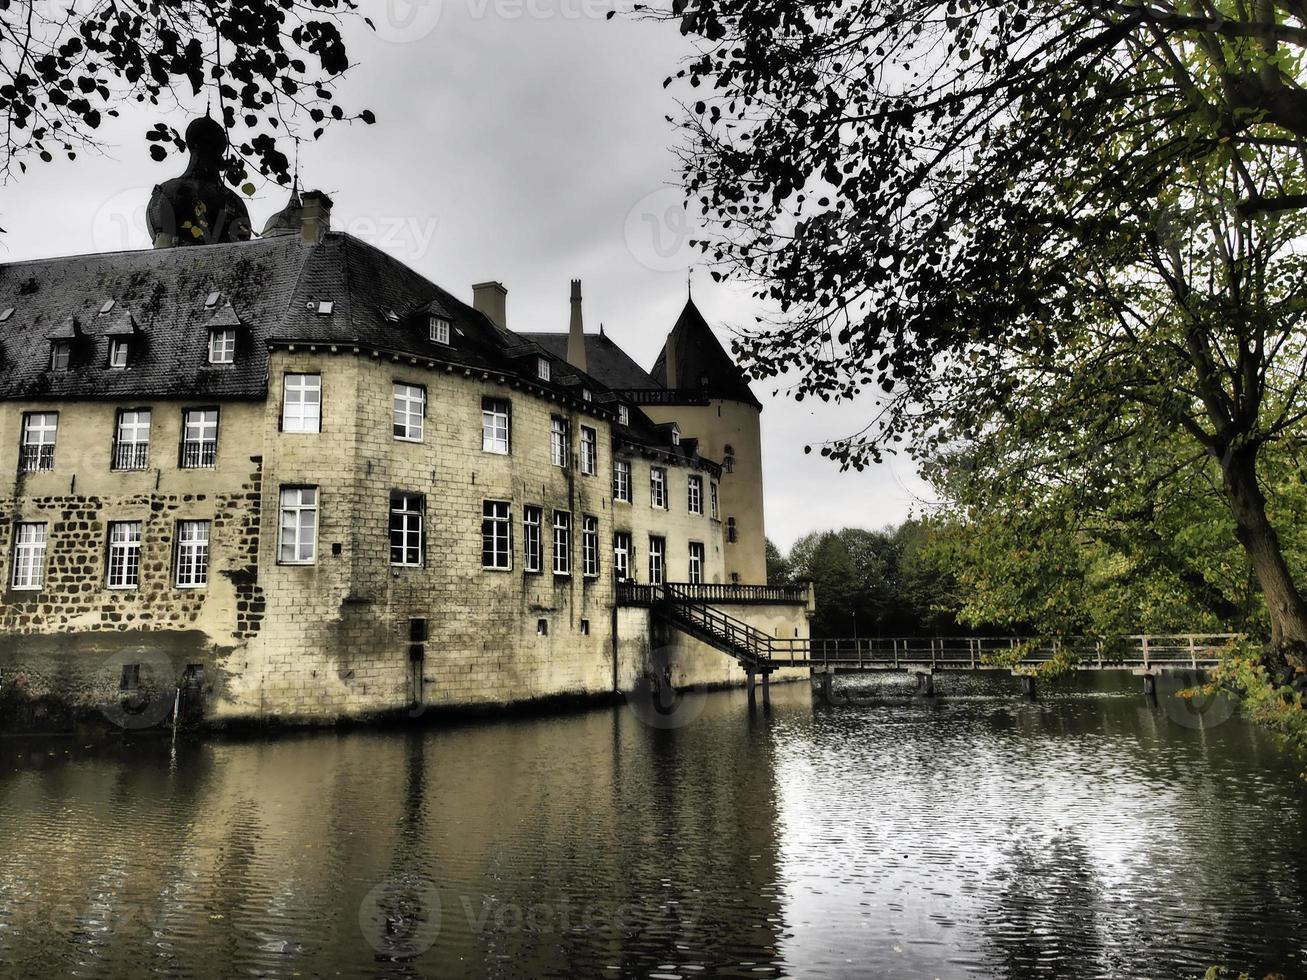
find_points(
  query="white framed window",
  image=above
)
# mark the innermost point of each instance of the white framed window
(439, 330)
(622, 480)
(119, 349)
(623, 415)
(61, 354)
(590, 546)
(192, 554)
(657, 560)
(410, 409)
(40, 431)
(406, 528)
(301, 407)
(30, 540)
(589, 451)
(497, 535)
(714, 499)
(298, 544)
(222, 346)
(124, 555)
(131, 443)
(587, 395)
(532, 542)
(658, 487)
(199, 438)
(494, 425)
(622, 555)
(694, 494)
(696, 562)
(559, 439)
(676, 435)
(544, 370)
(562, 543)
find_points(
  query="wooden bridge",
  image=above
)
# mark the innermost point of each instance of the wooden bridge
(692, 609)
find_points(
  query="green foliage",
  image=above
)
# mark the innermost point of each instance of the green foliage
(265, 64)
(1279, 708)
(778, 567)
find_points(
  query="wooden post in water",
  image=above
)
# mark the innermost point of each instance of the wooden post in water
(766, 688)
(1028, 685)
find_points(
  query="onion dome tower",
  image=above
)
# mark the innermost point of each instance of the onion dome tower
(290, 219)
(198, 208)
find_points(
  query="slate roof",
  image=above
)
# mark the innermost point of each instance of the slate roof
(270, 290)
(604, 359)
(273, 286)
(701, 361)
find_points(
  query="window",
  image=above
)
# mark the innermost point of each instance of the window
(302, 403)
(676, 436)
(587, 395)
(657, 560)
(131, 444)
(622, 480)
(39, 432)
(558, 441)
(658, 487)
(623, 415)
(532, 543)
(622, 555)
(124, 554)
(29, 556)
(496, 535)
(543, 368)
(61, 354)
(696, 562)
(199, 438)
(494, 425)
(590, 546)
(406, 544)
(409, 409)
(562, 543)
(728, 459)
(714, 500)
(589, 451)
(192, 554)
(439, 330)
(731, 533)
(585, 627)
(118, 351)
(222, 346)
(299, 526)
(542, 627)
(695, 501)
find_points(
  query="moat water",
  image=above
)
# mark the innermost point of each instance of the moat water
(1088, 834)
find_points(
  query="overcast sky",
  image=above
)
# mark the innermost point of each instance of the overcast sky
(517, 140)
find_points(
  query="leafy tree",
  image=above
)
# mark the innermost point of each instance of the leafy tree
(267, 64)
(778, 566)
(1047, 239)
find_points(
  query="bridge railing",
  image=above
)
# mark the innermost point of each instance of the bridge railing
(633, 594)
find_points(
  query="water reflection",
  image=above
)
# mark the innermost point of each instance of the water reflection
(1089, 833)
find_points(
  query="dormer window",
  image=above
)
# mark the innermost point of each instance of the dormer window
(61, 353)
(623, 415)
(543, 368)
(118, 353)
(222, 346)
(587, 395)
(676, 436)
(440, 330)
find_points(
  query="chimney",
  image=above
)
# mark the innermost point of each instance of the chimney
(317, 217)
(669, 360)
(491, 298)
(576, 331)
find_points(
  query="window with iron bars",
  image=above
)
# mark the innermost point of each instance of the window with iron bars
(199, 438)
(131, 445)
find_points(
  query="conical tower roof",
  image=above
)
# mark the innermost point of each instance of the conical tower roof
(700, 363)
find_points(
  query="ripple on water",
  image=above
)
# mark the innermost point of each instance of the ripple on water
(1084, 835)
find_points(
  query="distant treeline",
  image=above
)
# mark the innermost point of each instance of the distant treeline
(871, 583)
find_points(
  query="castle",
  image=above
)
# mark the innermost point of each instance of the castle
(286, 477)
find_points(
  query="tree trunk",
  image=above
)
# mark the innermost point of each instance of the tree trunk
(1287, 654)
